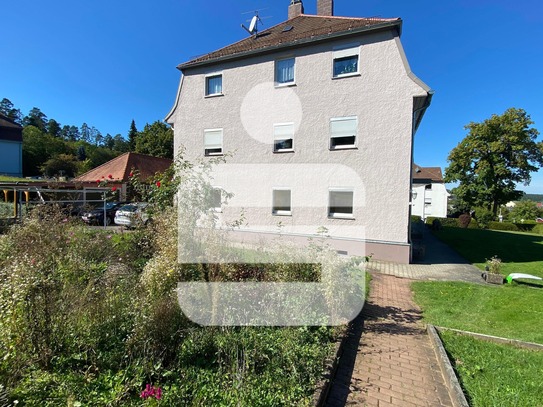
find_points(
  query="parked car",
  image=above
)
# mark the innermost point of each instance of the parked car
(132, 215)
(95, 216)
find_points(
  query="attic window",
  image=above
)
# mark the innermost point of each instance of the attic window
(287, 28)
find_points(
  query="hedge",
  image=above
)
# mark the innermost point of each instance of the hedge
(503, 226)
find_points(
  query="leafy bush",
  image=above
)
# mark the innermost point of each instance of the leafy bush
(526, 226)
(473, 224)
(538, 229)
(483, 217)
(524, 211)
(415, 218)
(464, 220)
(508, 226)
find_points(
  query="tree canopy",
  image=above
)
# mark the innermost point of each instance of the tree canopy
(54, 149)
(156, 140)
(497, 154)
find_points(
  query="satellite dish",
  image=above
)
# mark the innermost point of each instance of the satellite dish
(253, 27)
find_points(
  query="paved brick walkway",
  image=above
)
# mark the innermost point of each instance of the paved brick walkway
(388, 359)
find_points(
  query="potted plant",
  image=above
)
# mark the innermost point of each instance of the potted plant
(493, 267)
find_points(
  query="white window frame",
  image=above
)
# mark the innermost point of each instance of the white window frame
(206, 85)
(280, 137)
(281, 212)
(276, 64)
(344, 146)
(340, 215)
(346, 51)
(220, 191)
(213, 146)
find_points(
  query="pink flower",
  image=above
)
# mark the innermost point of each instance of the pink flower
(113, 189)
(158, 184)
(103, 176)
(131, 174)
(97, 181)
(110, 176)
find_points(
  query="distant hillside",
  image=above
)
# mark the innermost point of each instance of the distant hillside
(533, 197)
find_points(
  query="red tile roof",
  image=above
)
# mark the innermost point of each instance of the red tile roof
(119, 168)
(427, 174)
(298, 30)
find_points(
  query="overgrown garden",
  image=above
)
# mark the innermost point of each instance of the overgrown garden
(91, 318)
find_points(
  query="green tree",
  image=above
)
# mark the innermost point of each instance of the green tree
(61, 165)
(70, 133)
(495, 155)
(132, 136)
(120, 145)
(53, 128)
(156, 139)
(524, 211)
(36, 118)
(34, 150)
(8, 109)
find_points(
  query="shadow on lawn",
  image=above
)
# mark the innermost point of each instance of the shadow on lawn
(477, 245)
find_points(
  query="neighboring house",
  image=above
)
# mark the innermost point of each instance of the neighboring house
(319, 113)
(11, 147)
(117, 171)
(429, 194)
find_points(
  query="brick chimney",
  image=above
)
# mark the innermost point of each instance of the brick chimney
(325, 7)
(295, 9)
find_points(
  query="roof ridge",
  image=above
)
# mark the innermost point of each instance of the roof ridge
(101, 165)
(349, 18)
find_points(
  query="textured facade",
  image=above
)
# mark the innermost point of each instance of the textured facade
(321, 136)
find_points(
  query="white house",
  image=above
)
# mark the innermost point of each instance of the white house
(319, 113)
(429, 194)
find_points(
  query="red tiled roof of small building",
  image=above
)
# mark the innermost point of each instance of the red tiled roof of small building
(120, 167)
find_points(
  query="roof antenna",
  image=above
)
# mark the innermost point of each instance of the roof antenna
(253, 27)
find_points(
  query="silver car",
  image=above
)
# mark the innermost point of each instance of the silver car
(132, 215)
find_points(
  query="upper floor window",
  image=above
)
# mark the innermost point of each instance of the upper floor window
(214, 85)
(343, 132)
(346, 61)
(284, 71)
(282, 137)
(213, 142)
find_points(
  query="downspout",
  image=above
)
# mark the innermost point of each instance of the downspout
(414, 128)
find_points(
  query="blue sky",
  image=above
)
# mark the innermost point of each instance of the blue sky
(108, 62)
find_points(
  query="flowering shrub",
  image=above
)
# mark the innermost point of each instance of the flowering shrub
(151, 392)
(494, 264)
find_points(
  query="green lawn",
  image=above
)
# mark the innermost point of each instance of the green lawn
(492, 374)
(511, 311)
(496, 375)
(520, 252)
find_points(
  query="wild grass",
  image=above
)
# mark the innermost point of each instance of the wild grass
(88, 317)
